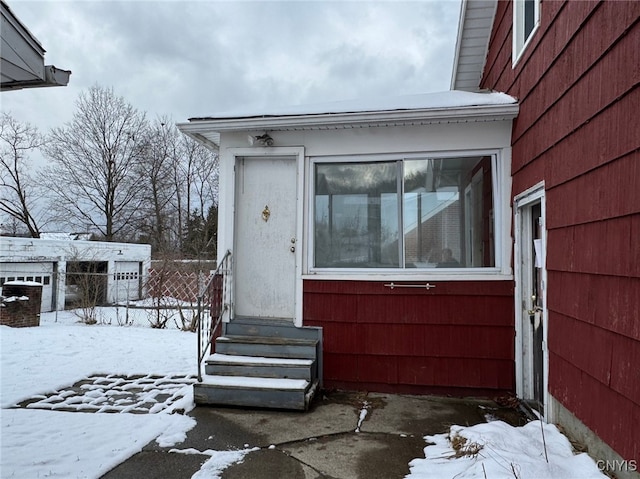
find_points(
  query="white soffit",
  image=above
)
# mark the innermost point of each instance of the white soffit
(474, 32)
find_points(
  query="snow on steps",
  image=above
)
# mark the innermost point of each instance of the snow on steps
(286, 368)
(261, 363)
(259, 392)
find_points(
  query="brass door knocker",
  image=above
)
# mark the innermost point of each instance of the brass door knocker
(266, 213)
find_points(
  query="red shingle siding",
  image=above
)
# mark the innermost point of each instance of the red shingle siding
(578, 130)
(455, 338)
(609, 414)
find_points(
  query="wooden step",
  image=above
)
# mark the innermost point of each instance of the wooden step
(264, 363)
(271, 347)
(254, 392)
(250, 366)
(270, 328)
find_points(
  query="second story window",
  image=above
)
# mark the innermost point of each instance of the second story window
(526, 18)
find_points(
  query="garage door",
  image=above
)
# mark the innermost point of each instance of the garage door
(39, 272)
(126, 281)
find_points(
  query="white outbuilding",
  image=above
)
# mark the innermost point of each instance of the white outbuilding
(119, 270)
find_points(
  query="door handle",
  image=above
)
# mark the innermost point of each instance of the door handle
(536, 309)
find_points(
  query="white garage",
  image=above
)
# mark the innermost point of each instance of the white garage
(117, 271)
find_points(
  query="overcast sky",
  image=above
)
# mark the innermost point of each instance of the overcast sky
(187, 59)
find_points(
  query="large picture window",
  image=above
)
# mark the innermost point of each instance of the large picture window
(404, 213)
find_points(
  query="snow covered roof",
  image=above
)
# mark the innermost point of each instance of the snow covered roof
(420, 109)
(66, 236)
(425, 101)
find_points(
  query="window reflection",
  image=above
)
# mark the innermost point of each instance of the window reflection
(439, 216)
(356, 215)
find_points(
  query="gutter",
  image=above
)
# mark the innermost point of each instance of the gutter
(52, 77)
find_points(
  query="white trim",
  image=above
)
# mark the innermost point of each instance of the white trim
(298, 154)
(365, 275)
(501, 178)
(519, 43)
(456, 55)
(523, 200)
(208, 130)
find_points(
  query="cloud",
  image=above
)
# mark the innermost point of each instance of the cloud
(196, 58)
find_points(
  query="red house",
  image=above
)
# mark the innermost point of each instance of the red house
(464, 242)
(574, 68)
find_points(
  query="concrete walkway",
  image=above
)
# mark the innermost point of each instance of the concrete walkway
(334, 440)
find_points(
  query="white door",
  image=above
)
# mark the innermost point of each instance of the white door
(265, 237)
(531, 301)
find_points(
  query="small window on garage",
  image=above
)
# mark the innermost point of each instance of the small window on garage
(526, 18)
(46, 280)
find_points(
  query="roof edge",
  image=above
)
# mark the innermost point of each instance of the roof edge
(196, 127)
(456, 53)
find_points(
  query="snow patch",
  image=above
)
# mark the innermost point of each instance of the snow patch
(497, 450)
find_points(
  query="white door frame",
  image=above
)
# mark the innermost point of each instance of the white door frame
(298, 154)
(522, 232)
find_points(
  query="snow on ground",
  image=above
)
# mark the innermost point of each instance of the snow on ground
(497, 450)
(62, 351)
(43, 363)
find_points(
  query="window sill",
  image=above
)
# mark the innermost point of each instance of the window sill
(478, 274)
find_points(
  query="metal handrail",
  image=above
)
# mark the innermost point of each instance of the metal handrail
(211, 300)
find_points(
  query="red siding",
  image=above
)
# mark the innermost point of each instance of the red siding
(456, 338)
(577, 130)
(612, 416)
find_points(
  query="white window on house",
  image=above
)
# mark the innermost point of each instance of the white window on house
(526, 18)
(424, 213)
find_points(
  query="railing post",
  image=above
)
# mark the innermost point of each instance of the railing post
(206, 297)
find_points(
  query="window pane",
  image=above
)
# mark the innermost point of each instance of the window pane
(356, 215)
(529, 18)
(447, 212)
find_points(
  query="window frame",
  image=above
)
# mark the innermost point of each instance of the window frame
(501, 180)
(520, 43)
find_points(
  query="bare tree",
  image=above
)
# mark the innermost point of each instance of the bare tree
(196, 185)
(19, 192)
(95, 174)
(159, 165)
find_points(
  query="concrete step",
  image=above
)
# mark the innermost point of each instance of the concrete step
(270, 347)
(255, 392)
(250, 366)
